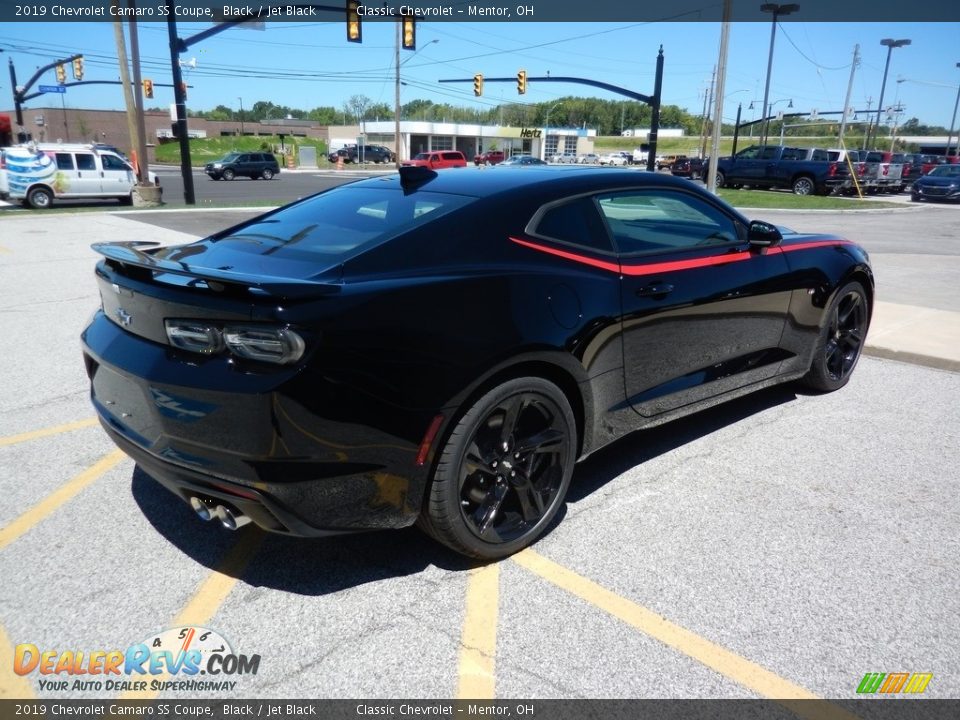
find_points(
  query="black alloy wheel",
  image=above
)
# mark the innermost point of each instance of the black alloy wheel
(267, 174)
(228, 174)
(504, 471)
(841, 340)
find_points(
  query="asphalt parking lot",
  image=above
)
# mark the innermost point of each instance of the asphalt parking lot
(779, 546)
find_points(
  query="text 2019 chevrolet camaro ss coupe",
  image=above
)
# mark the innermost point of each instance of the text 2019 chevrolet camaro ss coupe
(441, 347)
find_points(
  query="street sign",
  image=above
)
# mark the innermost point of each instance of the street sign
(51, 88)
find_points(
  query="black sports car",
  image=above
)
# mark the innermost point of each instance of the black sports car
(442, 347)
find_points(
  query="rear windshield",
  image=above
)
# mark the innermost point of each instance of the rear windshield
(334, 224)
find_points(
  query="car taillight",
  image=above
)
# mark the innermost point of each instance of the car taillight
(275, 345)
(832, 171)
(194, 337)
(279, 345)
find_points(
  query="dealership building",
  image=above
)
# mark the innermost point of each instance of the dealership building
(57, 124)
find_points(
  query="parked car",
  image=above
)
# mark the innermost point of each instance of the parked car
(4, 184)
(588, 159)
(564, 158)
(524, 160)
(613, 158)
(941, 183)
(888, 171)
(339, 364)
(37, 174)
(369, 154)
(438, 160)
(693, 168)
(490, 157)
(665, 161)
(775, 166)
(254, 165)
(339, 154)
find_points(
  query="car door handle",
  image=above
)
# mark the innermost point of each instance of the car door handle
(654, 289)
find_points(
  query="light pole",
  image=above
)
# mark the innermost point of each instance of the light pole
(890, 44)
(241, 115)
(766, 120)
(776, 11)
(546, 130)
(396, 94)
(953, 121)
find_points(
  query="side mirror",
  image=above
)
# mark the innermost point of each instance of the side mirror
(763, 234)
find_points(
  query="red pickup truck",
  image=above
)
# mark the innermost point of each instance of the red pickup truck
(490, 157)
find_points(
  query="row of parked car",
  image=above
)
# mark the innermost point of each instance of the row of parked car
(808, 171)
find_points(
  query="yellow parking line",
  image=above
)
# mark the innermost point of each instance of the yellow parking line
(210, 595)
(46, 432)
(12, 686)
(64, 493)
(478, 641)
(739, 669)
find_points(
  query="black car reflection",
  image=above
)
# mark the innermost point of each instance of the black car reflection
(442, 347)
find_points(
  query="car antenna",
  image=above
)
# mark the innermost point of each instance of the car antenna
(412, 176)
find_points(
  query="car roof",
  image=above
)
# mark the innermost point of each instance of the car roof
(564, 180)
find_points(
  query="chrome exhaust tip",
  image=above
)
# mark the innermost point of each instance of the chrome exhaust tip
(202, 509)
(231, 519)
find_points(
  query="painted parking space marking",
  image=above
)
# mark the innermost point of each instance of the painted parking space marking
(210, 595)
(478, 641)
(47, 432)
(32, 517)
(729, 664)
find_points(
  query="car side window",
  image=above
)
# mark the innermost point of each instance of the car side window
(769, 153)
(751, 153)
(85, 161)
(665, 221)
(575, 222)
(113, 163)
(64, 161)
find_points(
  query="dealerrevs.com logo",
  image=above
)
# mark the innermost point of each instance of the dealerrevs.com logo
(182, 653)
(893, 683)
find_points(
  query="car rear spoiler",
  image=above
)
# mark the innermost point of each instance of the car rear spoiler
(129, 256)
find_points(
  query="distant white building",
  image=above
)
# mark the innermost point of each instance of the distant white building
(661, 133)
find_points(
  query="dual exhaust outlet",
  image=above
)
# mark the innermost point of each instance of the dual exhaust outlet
(228, 517)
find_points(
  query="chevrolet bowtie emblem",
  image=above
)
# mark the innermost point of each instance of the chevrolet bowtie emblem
(125, 317)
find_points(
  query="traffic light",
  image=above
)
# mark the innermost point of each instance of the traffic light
(78, 68)
(478, 84)
(61, 74)
(522, 82)
(408, 32)
(354, 29)
(148, 89)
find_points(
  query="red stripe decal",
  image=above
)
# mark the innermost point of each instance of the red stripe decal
(602, 264)
(653, 268)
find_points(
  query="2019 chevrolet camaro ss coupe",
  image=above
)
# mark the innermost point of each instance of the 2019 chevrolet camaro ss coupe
(441, 347)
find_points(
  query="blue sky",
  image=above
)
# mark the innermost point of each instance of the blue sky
(310, 64)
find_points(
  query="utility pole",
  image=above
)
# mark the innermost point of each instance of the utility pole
(141, 140)
(846, 101)
(396, 99)
(707, 107)
(718, 109)
(124, 73)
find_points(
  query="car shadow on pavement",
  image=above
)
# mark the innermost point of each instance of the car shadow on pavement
(643, 445)
(320, 566)
(306, 566)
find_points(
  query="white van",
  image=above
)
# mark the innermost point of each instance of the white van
(38, 173)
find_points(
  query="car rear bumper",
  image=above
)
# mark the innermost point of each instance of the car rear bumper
(282, 449)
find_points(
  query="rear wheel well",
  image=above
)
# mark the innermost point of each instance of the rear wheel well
(537, 368)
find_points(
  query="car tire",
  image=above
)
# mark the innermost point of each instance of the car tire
(267, 174)
(126, 199)
(39, 198)
(228, 174)
(720, 179)
(503, 471)
(804, 186)
(841, 340)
